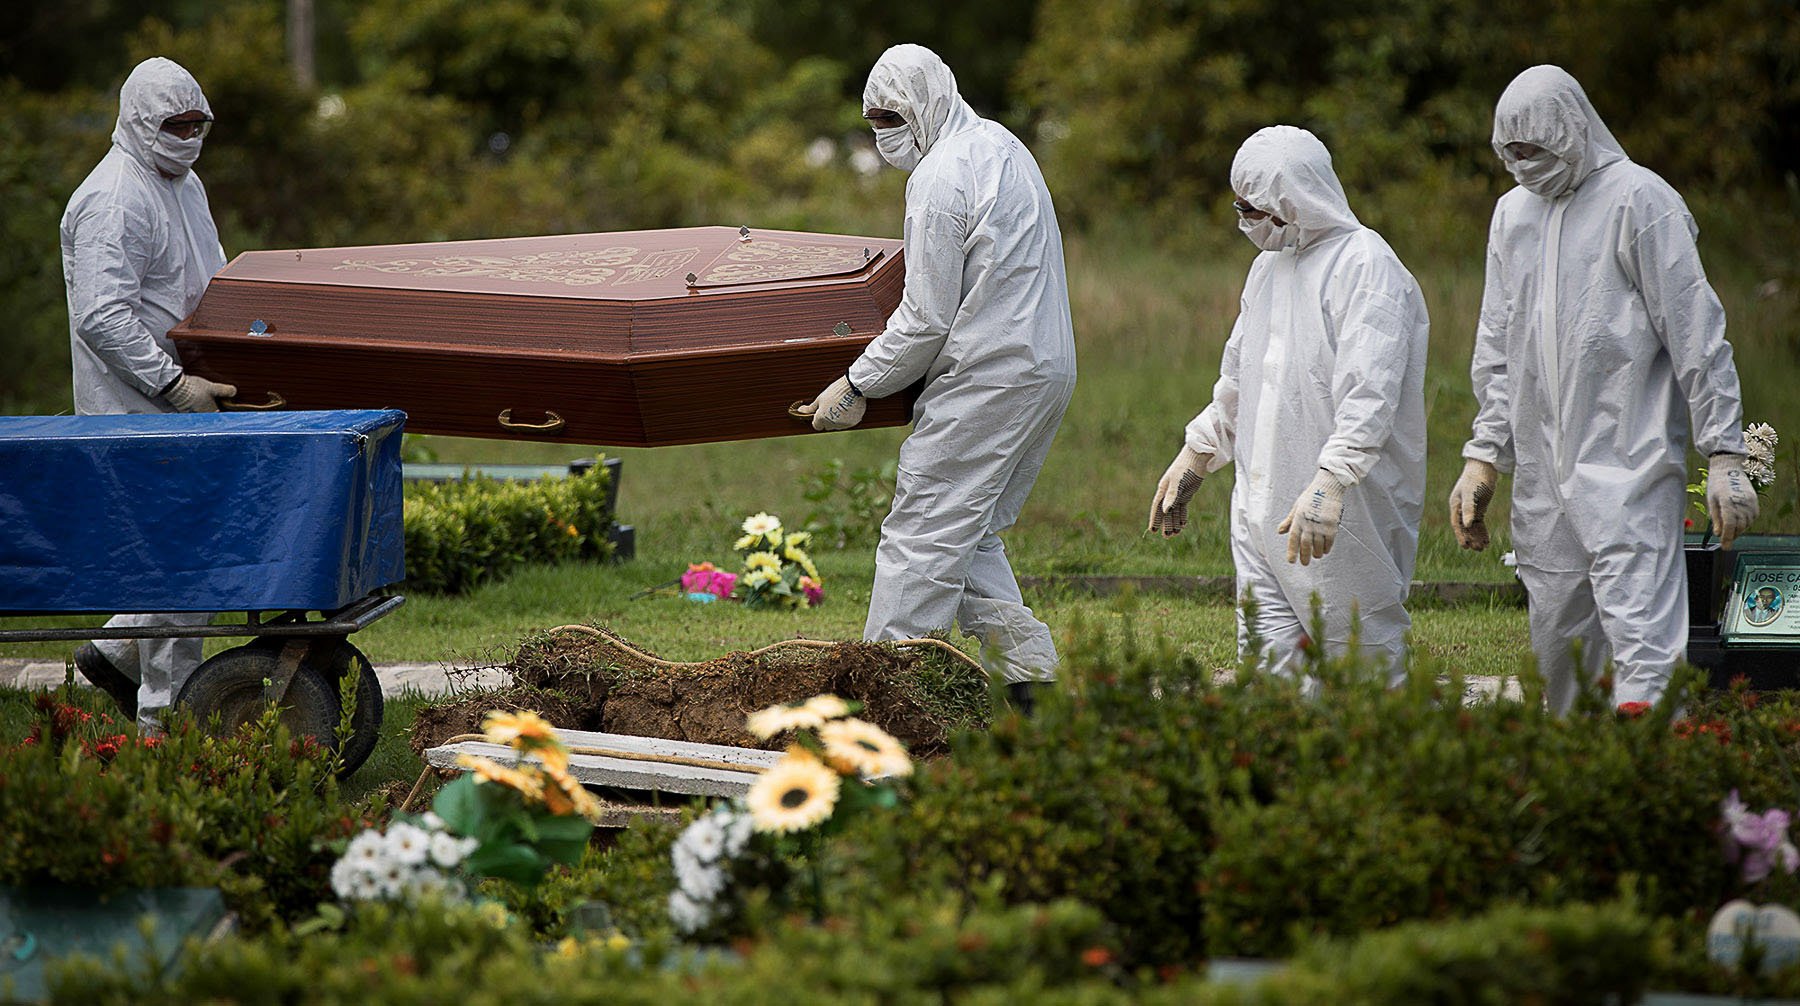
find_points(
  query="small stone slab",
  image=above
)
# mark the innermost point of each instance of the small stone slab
(628, 773)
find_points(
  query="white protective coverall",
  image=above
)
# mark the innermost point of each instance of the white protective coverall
(138, 249)
(984, 322)
(1324, 369)
(1599, 338)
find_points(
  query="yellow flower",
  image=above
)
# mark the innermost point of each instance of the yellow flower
(865, 749)
(766, 723)
(616, 940)
(827, 706)
(569, 795)
(799, 539)
(794, 553)
(487, 770)
(762, 560)
(569, 947)
(762, 524)
(494, 914)
(529, 733)
(747, 541)
(761, 577)
(799, 792)
(811, 570)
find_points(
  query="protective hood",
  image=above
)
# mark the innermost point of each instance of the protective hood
(1286, 171)
(1547, 107)
(913, 81)
(156, 89)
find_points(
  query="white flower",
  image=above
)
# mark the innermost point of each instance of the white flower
(432, 822)
(762, 524)
(738, 829)
(705, 838)
(447, 850)
(820, 152)
(365, 887)
(367, 850)
(344, 875)
(686, 914)
(428, 882)
(701, 883)
(408, 843)
(392, 878)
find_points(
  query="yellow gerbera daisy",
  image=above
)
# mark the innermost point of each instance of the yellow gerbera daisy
(762, 560)
(487, 770)
(529, 733)
(747, 541)
(761, 524)
(569, 794)
(766, 723)
(865, 749)
(799, 792)
(799, 539)
(761, 577)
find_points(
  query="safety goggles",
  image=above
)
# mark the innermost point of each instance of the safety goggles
(188, 129)
(1522, 151)
(881, 118)
(1247, 211)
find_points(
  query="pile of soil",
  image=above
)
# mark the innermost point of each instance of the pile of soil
(586, 682)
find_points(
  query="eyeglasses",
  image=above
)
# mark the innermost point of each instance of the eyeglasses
(881, 118)
(1247, 211)
(188, 129)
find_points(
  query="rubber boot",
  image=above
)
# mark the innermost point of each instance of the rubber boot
(102, 674)
(1023, 695)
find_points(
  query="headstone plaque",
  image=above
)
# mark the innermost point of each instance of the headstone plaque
(1763, 608)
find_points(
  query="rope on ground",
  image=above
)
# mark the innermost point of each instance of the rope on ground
(620, 644)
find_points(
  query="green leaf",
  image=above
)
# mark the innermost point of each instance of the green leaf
(518, 863)
(460, 806)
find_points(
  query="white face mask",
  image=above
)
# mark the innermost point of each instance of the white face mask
(1266, 235)
(1546, 174)
(897, 147)
(173, 155)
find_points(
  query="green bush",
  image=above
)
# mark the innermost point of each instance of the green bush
(88, 804)
(460, 534)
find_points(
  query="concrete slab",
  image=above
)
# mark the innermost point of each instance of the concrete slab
(630, 773)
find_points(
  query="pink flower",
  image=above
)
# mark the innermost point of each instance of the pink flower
(724, 583)
(698, 578)
(812, 590)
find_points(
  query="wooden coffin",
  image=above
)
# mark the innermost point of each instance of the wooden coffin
(631, 339)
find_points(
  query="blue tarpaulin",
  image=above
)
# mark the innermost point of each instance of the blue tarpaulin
(206, 512)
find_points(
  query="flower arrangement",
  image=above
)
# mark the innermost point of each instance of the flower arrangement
(1756, 842)
(837, 766)
(406, 862)
(777, 568)
(1759, 464)
(705, 582)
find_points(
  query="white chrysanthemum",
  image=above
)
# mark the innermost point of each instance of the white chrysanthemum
(365, 887)
(797, 793)
(705, 838)
(447, 850)
(431, 822)
(697, 880)
(343, 878)
(762, 524)
(865, 748)
(686, 914)
(766, 723)
(368, 850)
(392, 878)
(408, 843)
(737, 828)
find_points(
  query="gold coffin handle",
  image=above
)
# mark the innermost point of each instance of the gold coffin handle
(551, 424)
(794, 410)
(233, 405)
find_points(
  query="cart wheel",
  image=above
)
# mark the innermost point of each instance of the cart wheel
(230, 685)
(334, 665)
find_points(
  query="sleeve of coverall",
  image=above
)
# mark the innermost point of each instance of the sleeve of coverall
(1214, 430)
(1491, 439)
(105, 281)
(1374, 339)
(916, 332)
(1663, 261)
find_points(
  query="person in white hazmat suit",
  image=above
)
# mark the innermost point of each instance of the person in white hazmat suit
(984, 323)
(1320, 403)
(1599, 341)
(138, 246)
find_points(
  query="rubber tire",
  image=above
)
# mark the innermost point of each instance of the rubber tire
(230, 684)
(370, 707)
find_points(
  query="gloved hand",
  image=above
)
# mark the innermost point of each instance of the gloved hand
(1730, 498)
(1168, 509)
(839, 407)
(1469, 500)
(1312, 524)
(197, 394)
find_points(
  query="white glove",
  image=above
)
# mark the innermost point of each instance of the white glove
(839, 407)
(1312, 524)
(197, 394)
(1469, 500)
(1168, 509)
(1730, 498)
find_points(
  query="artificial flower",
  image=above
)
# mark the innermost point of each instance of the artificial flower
(762, 560)
(487, 770)
(798, 539)
(812, 590)
(529, 733)
(571, 795)
(762, 524)
(798, 792)
(865, 749)
(747, 541)
(761, 578)
(766, 723)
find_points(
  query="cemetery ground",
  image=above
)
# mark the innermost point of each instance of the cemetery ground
(1406, 846)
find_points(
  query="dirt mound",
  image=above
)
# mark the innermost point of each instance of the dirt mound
(586, 682)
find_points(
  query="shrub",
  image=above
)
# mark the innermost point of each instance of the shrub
(461, 534)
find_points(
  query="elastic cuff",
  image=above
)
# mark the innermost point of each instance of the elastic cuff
(165, 389)
(852, 384)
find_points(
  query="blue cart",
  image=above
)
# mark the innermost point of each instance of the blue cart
(292, 518)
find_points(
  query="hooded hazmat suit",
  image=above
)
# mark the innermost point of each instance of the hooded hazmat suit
(1324, 371)
(1599, 341)
(984, 323)
(138, 248)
